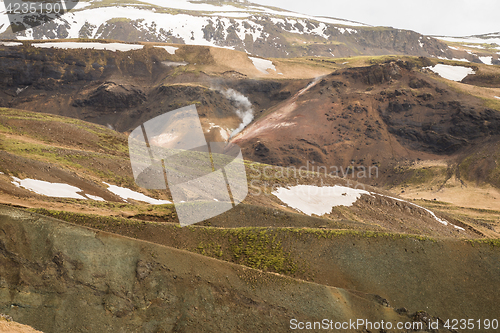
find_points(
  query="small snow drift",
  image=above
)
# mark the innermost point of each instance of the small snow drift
(94, 197)
(11, 44)
(244, 111)
(56, 190)
(454, 73)
(61, 190)
(310, 199)
(174, 63)
(88, 45)
(169, 49)
(262, 64)
(316, 200)
(486, 60)
(126, 193)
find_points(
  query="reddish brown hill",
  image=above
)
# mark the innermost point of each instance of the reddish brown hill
(373, 116)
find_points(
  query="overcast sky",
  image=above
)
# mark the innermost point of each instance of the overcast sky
(430, 17)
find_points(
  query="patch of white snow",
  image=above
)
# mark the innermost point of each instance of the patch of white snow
(454, 73)
(126, 193)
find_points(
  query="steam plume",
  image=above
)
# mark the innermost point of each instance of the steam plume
(244, 111)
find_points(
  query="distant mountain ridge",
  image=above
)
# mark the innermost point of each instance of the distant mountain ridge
(255, 29)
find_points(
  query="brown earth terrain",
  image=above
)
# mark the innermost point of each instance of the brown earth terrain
(362, 248)
(58, 159)
(430, 147)
(387, 114)
(366, 261)
(53, 270)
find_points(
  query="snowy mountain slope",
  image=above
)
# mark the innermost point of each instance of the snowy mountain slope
(255, 29)
(491, 41)
(484, 48)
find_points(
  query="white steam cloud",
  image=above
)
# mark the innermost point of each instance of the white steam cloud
(244, 111)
